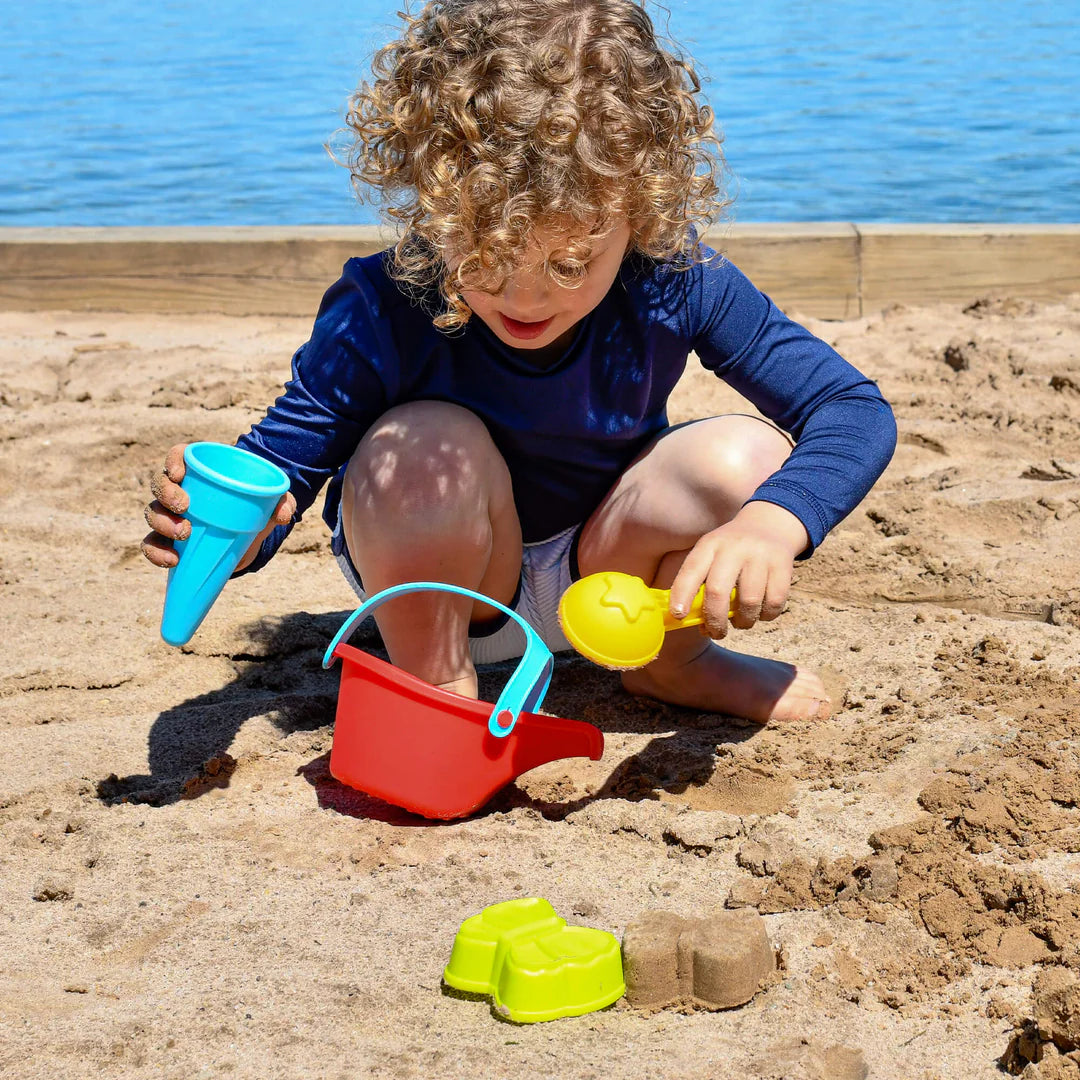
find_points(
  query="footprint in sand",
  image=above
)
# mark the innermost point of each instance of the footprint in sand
(739, 788)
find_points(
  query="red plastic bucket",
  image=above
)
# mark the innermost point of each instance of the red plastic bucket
(432, 751)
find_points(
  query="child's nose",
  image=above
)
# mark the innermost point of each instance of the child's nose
(527, 290)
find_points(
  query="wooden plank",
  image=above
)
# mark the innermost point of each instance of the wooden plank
(808, 269)
(913, 264)
(237, 271)
(226, 295)
(826, 270)
(255, 271)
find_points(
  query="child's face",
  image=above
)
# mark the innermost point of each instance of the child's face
(534, 312)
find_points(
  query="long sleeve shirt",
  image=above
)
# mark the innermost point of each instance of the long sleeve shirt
(568, 430)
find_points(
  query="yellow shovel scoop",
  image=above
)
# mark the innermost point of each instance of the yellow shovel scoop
(619, 622)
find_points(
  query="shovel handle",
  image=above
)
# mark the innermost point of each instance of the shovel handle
(694, 617)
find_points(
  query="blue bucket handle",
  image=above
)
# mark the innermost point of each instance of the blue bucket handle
(526, 687)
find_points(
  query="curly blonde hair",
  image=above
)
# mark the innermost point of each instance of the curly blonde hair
(489, 118)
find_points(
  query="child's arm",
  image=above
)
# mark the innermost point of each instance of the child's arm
(845, 435)
(338, 388)
(311, 431)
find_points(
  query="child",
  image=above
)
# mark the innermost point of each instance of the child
(488, 398)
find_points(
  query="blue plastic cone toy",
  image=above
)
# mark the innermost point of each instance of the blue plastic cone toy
(232, 494)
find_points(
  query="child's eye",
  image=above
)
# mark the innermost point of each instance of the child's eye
(569, 269)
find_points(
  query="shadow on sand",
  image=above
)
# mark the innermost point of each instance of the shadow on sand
(281, 678)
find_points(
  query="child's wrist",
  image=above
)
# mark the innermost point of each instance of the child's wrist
(778, 521)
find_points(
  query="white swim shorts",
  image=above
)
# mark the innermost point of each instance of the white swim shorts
(547, 570)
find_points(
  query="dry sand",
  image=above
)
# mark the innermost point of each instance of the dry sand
(186, 892)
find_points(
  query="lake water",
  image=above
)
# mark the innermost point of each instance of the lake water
(182, 112)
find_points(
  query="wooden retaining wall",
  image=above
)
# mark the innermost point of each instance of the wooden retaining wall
(828, 270)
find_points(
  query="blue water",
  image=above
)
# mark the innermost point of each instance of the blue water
(124, 112)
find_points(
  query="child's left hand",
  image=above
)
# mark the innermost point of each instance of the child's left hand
(754, 553)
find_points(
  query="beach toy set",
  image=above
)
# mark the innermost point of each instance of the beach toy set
(437, 753)
(396, 737)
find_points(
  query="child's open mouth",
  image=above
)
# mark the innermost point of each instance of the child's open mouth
(524, 329)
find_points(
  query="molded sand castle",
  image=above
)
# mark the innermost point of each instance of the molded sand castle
(717, 962)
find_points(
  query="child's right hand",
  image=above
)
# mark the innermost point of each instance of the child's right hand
(165, 515)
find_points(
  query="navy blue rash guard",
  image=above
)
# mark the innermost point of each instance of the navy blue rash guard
(568, 431)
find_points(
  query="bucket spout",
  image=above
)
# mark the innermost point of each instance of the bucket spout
(540, 739)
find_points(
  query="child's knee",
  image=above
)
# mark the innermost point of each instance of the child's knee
(421, 459)
(737, 453)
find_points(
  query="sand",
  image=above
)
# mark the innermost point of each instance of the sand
(186, 892)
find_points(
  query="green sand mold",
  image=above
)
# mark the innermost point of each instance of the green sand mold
(532, 965)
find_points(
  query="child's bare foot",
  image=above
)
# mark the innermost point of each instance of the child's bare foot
(719, 680)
